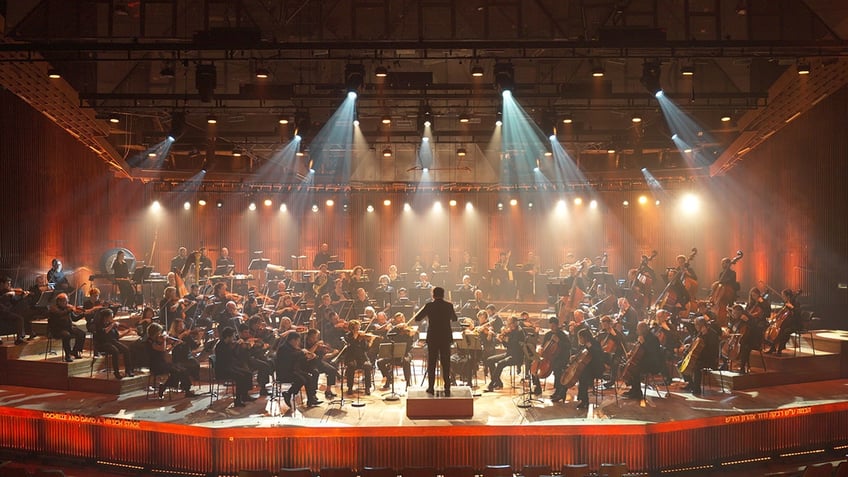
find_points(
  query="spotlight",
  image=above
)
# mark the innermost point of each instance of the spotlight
(504, 75)
(611, 151)
(187, 205)
(567, 119)
(469, 206)
(690, 203)
(236, 151)
(351, 94)
(387, 202)
(461, 152)
(381, 71)
(636, 118)
(548, 153)
(354, 76)
(593, 204)
(500, 205)
(205, 80)
(283, 207)
(53, 74)
(597, 71)
(513, 202)
(387, 152)
(426, 119)
(425, 170)
(499, 119)
(386, 119)
(626, 204)
(151, 154)
(201, 202)
(477, 71)
(330, 202)
(425, 139)
(301, 123)
(167, 71)
(282, 119)
(651, 76)
(345, 206)
(262, 73)
(687, 71)
(171, 138)
(643, 200)
(452, 203)
(219, 204)
(252, 206)
(725, 118)
(657, 202)
(370, 208)
(205, 166)
(803, 68)
(211, 119)
(155, 206)
(464, 117)
(114, 119)
(674, 137)
(314, 207)
(529, 205)
(356, 122)
(560, 206)
(578, 201)
(407, 207)
(268, 202)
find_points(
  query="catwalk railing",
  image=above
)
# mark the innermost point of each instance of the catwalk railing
(644, 447)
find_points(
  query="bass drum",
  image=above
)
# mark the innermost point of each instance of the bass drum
(108, 257)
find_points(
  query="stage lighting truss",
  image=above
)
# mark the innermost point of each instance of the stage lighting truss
(504, 74)
(354, 77)
(651, 76)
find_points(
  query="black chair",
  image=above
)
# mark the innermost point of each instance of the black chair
(418, 472)
(501, 470)
(215, 383)
(377, 472)
(459, 471)
(336, 472)
(535, 470)
(295, 472)
(575, 470)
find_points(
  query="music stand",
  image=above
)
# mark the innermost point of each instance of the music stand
(335, 265)
(302, 315)
(345, 307)
(141, 274)
(383, 298)
(420, 295)
(407, 310)
(224, 269)
(45, 299)
(470, 343)
(258, 264)
(392, 351)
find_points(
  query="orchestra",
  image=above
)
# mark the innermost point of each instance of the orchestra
(597, 328)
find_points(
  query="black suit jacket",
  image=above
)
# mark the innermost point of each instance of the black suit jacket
(440, 314)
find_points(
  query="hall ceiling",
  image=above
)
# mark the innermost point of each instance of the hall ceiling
(113, 56)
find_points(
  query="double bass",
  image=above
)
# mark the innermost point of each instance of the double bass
(722, 295)
(632, 365)
(689, 283)
(575, 296)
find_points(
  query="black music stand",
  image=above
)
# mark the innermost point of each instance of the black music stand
(407, 310)
(470, 343)
(259, 264)
(392, 351)
(526, 397)
(223, 270)
(302, 316)
(140, 274)
(383, 298)
(45, 299)
(420, 295)
(335, 265)
(345, 307)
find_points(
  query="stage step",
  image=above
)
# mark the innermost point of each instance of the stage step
(787, 369)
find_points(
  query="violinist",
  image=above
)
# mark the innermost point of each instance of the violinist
(253, 354)
(230, 316)
(320, 365)
(513, 339)
(107, 339)
(322, 313)
(227, 366)
(594, 369)
(285, 307)
(466, 285)
(60, 324)
(292, 367)
(11, 302)
(650, 360)
(92, 305)
(338, 294)
(172, 307)
(182, 354)
(559, 359)
(356, 356)
(401, 335)
(357, 277)
(146, 318)
(423, 282)
(628, 318)
(493, 319)
(158, 347)
(121, 269)
(790, 323)
(251, 306)
(612, 341)
(708, 355)
(336, 329)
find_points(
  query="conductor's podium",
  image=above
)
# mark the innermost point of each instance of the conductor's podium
(420, 405)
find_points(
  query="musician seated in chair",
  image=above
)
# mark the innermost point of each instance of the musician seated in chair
(292, 367)
(790, 323)
(321, 365)
(356, 357)
(402, 335)
(559, 359)
(513, 338)
(594, 369)
(60, 324)
(706, 357)
(647, 358)
(227, 366)
(12, 305)
(107, 339)
(253, 354)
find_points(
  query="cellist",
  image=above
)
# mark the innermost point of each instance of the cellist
(651, 360)
(789, 324)
(557, 348)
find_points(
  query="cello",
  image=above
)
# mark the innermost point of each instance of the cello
(632, 365)
(722, 295)
(572, 373)
(776, 324)
(687, 365)
(542, 366)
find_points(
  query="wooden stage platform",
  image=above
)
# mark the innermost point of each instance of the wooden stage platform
(666, 433)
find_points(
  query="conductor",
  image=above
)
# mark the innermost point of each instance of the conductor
(439, 337)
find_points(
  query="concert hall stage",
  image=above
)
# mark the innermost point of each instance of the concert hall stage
(668, 432)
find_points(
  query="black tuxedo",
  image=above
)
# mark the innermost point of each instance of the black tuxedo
(440, 313)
